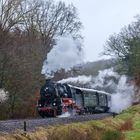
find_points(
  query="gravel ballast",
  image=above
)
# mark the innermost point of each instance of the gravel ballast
(10, 126)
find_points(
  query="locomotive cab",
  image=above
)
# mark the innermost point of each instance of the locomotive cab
(54, 99)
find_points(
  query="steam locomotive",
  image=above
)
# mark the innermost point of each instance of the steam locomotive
(56, 99)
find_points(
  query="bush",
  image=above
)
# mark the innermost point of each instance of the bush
(128, 125)
(113, 135)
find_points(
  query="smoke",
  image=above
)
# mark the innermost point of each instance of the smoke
(106, 80)
(69, 113)
(123, 98)
(66, 114)
(3, 95)
(118, 86)
(65, 54)
(80, 79)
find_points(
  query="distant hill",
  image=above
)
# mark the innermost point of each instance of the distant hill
(92, 68)
(89, 68)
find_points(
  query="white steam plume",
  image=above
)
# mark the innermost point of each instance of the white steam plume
(3, 95)
(66, 114)
(65, 54)
(80, 79)
(105, 78)
(121, 90)
(123, 98)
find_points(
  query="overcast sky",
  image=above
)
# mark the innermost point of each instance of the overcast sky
(102, 18)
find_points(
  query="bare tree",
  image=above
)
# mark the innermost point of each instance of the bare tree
(126, 47)
(51, 20)
(27, 32)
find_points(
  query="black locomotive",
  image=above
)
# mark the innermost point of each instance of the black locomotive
(56, 99)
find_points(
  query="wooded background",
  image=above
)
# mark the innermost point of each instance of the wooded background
(27, 32)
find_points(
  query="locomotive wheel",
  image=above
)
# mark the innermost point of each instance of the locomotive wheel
(41, 114)
(53, 113)
(59, 111)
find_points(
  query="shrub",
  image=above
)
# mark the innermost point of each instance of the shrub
(113, 135)
(128, 125)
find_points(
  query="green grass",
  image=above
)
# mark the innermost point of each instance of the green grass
(135, 133)
(125, 126)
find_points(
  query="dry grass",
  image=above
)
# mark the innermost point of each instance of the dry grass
(79, 131)
(127, 126)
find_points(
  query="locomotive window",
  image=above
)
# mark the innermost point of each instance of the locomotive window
(61, 90)
(102, 100)
(73, 91)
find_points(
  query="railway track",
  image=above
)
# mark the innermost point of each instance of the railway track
(10, 126)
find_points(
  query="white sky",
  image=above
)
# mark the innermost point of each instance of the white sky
(102, 18)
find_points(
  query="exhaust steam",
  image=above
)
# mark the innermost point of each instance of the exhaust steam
(64, 55)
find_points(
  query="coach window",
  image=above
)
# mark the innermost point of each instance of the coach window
(102, 100)
(90, 99)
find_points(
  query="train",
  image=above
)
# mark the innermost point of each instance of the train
(56, 99)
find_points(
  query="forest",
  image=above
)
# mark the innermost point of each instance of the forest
(28, 29)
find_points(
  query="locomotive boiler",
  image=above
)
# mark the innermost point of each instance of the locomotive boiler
(56, 99)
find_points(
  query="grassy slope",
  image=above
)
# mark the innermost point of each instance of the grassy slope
(124, 126)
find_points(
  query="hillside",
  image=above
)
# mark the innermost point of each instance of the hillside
(88, 68)
(92, 68)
